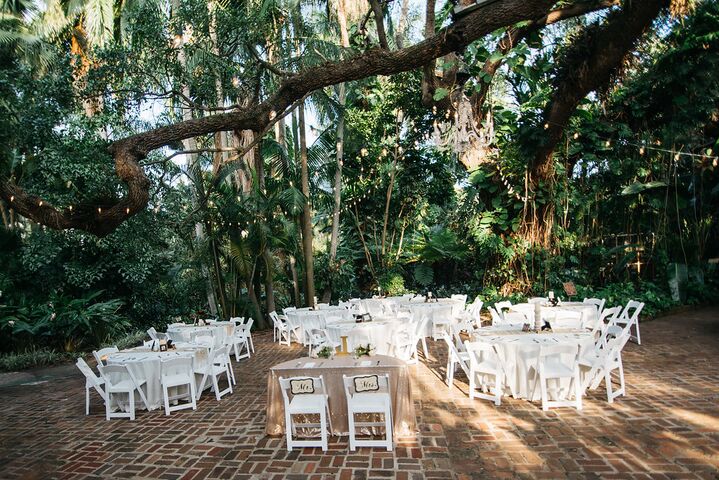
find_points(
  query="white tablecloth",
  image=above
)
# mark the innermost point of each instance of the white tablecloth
(562, 316)
(307, 320)
(145, 366)
(188, 333)
(441, 311)
(379, 333)
(519, 351)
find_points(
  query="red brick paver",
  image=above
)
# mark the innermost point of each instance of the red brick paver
(667, 426)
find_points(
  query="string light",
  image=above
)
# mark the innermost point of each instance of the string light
(127, 211)
(12, 198)
(576, 135)
(70, 208)
(40, 203)
(99, 210)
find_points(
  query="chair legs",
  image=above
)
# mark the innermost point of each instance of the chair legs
(131, 403)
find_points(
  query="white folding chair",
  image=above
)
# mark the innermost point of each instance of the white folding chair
(318, 338)
(155, 335)
(230, 342)
(454, 358)
(484, 362)
(175, 373)
(608, 316)
(101, 355)
(474, 311)
(119, 379)
(630, 318)
(419, 336)
(305, 396)
(497, 318)
(597, 302)
(441, 322)
(557, 362)
(91, 381)
(540, 300)
(459, 298)
(242, 339)
(369, 394)
(218, 363)
(204, 339)
(283, 330)
(501, 306)
(602, 362)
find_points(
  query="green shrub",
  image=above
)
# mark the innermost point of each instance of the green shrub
(33, 359)
(63, 323)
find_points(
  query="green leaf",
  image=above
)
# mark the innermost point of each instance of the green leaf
(440, 93)
(638, 187)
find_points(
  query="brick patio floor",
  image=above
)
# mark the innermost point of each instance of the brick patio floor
(666, 427)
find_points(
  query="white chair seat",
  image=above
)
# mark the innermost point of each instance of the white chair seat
(485, 367)
(554, 369)
(369, 402)
(121, 386)
(174, 380)
(311, 403)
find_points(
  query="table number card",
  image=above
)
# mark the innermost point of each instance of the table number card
(302, 386)
(570, 289)
(369, 383)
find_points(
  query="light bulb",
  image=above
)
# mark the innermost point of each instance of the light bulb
(576, 135)
(99, 210)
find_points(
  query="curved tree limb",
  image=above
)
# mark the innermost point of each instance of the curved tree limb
(515, 35)
(127, 152)
(588, 66)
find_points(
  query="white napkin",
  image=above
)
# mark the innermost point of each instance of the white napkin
(366, 363)
(309, 364)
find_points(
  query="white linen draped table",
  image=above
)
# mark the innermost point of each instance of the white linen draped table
(519, 351)
(306, 320)
(444, 310)
(562, 316)
(145, 366)
(188, 333)
(379, 333)
(403, 415)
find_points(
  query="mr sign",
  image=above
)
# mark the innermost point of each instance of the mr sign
(302, 386)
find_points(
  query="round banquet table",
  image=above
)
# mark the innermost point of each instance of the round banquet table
(145, 366)
(519, 351)
(378, 333)
(309, 319)
(562, 316)
(188, 333)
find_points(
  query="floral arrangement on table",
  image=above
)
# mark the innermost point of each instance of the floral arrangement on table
(364, 350)
(326, 352)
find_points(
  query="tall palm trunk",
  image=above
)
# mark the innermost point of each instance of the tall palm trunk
(334, 238)
(190, 160)
(306, 212)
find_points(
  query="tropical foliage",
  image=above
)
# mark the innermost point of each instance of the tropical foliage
(353, 190)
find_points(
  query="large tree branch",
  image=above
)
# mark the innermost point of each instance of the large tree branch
(515, 35)
(587, 66)
(127, 152)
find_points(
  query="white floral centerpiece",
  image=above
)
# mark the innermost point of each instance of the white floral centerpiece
(364, 350)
